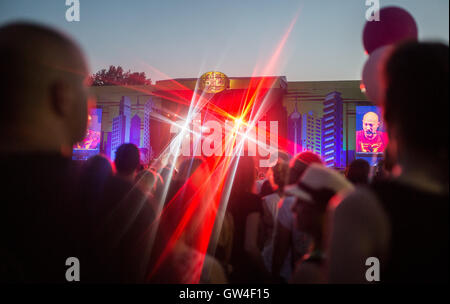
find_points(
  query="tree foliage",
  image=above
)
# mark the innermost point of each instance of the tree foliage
(117, 76)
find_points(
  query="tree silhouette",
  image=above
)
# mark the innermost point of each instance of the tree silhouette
(117, 76)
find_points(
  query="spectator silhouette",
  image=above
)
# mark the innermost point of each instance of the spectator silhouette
(176, 258)
(94, 175)
(127, 161)
(289, 243)
(313, 192)
(150, 183)
(389, 219)
(246, 211)
(46, 218)
(358, 172)
(43, 113)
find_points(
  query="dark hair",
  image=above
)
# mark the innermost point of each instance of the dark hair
(358, 172)
(147, 176)
(146, 173)
(165, 173)
(280, 171)
(381, 173)
(94, 175)
(127, 159)
(245, 176)
(266, 189)
(284, 156)
(299, 164)
(416, 100)
(98, 164)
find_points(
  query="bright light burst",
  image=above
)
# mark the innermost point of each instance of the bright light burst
(208, 203)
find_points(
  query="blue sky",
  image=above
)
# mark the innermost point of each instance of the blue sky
(185, 38)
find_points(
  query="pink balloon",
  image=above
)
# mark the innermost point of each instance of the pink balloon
(395, 25)
(372, 76)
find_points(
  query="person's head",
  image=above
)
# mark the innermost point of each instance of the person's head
(416, 104)
(245, 175)
(299, 164)
(94, 174)
(371, 122)
(313, 191)
(97, 168)
(127, 160)
(44, 88)
(277, 175)
(147, 181)
(380, 173)
(284, 156)
(261, 175)
(165, 173)
(98, 163)
(358, 171)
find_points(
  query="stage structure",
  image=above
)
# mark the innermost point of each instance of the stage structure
(90, 145)
(318, 116)
(220, 94)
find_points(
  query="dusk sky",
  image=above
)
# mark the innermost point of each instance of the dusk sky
(184, 38)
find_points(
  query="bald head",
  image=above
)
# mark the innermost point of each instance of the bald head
(371, 122)
(43, 83)
(370, 116)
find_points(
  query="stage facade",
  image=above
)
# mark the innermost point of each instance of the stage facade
(319, 116)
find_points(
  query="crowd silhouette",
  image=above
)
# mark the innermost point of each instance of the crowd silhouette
(299, 222)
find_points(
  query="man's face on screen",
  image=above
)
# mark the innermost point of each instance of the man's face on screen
(370, 125)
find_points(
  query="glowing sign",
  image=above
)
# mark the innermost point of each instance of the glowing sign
(213, 82)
